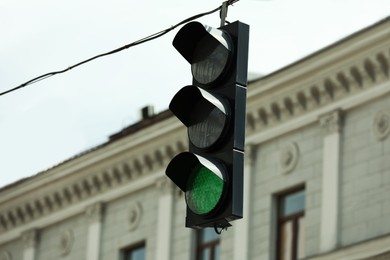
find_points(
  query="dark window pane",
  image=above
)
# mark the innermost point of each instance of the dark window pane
(207, 235)
(292, 203)
(205, 255)
(216, 252)
(291, 214)
(208, 244)
(138, 254)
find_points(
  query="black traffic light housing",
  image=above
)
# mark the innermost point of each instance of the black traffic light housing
(214, 111)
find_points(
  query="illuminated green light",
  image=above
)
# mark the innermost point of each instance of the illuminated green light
(204, 190)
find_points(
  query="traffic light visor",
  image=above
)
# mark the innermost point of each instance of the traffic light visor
(202, 181)
(207, 49)
(205, 115)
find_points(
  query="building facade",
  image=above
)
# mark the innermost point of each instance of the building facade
(317, 176)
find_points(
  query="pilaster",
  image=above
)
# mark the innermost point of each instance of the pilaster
(242, 226)
(30, 240)
(94, 214)
(331, 124)
(164, 218)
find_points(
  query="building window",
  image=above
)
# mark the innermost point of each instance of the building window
(290, 229)
(207, 245)
(136, 252)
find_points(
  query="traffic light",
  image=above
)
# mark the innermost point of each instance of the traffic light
(213, 110)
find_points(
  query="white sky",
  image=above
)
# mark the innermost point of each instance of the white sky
(52, 120)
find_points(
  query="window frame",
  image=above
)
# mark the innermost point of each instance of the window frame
(294, 218)
(200, 246)
(128, 250)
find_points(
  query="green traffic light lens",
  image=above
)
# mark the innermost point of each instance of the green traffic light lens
(204, 190)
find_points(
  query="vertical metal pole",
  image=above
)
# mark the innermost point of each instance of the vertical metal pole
(224, 12)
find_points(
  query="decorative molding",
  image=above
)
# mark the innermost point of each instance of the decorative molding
(30, 238)
(331, 122)
(364, 250)
(66, 242)
(277, 104)
(94, 212)
(134, 216)
(178, 193)
(288, 158)
(5, 255)
(250, 152)
(89, 186)
(164, 184)
(381, 124)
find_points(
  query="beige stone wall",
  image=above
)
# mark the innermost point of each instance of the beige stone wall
(385, 256)
(65, 240)
(12, 249)
(183, 239)
(118, 229)
(365, 179)
(269, 180)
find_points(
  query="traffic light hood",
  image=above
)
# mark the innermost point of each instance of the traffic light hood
(191, 102)
(183, 164)
(192, 34)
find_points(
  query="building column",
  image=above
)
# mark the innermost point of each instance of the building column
(30, 239)
(242, 226)
(331, 124)
(164, 218)
(94, 214)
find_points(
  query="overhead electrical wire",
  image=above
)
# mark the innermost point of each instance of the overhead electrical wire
(143, 40)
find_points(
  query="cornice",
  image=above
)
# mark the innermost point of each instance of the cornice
(79, 208)
(363, 250)
(284, 102)
(343, 52)
(82, 184)
(94, 157)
